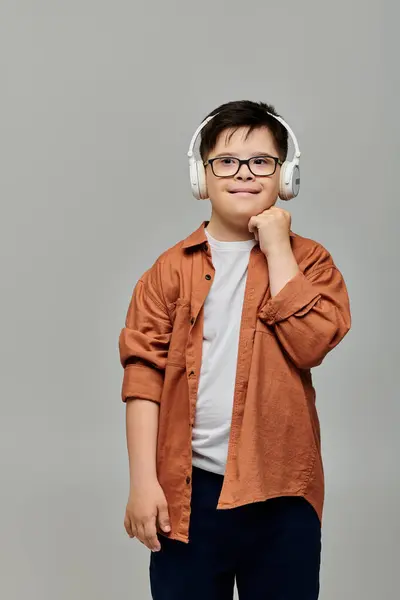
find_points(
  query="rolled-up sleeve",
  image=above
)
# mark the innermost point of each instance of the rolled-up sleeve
(144, 341)
(311, 313)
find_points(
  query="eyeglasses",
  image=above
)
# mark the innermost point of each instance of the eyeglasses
(228, 166)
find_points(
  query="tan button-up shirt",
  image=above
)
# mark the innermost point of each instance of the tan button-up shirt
(274, 447)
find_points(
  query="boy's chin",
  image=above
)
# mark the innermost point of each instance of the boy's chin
(251, 208)
(245, 214)
(241, 220)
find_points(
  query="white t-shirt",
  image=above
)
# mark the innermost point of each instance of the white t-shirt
(222, 318)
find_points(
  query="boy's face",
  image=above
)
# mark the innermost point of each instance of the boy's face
(235, 209)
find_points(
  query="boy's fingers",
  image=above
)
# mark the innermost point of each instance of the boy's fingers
(163, 518)
(140, 534)
(150, 533)
(134, 529)
(128, 527)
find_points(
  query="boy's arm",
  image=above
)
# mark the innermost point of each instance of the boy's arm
(147, 505)
(141, 436)
(144, 344)
(310, 314)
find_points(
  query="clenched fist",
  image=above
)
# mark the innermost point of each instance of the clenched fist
(271, 228)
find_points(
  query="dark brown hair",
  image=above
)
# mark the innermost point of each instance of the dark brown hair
(243, 113)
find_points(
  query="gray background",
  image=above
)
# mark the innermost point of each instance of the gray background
(98, 104)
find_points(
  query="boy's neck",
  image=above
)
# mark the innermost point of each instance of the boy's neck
(225, 233)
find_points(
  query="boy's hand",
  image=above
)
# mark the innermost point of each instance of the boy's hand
(271, 228)
(147, 506)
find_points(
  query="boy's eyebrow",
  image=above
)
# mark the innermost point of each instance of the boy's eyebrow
(231, 154)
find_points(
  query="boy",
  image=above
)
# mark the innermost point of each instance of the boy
(221, 333)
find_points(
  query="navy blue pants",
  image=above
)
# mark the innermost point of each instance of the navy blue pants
(272, 549)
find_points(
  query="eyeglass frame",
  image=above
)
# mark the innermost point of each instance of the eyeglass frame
(243, 161)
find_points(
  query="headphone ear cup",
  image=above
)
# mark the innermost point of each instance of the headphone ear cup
(201, 179)
(289, 184)
(198, 179)
(194, 180)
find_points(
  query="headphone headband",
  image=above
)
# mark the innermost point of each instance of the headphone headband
(208, 119)
(196, 133)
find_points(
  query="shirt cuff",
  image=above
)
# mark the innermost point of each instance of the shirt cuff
(142, 382)
(297, 297)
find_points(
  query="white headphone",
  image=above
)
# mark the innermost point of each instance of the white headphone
(289, 183)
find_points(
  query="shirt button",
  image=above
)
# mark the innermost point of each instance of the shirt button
(191, 373)
(208, 277)
(188, 479)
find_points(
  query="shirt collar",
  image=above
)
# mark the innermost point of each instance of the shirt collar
(196, 238)
(199, 237)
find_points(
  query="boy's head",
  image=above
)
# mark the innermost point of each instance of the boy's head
(243, 130)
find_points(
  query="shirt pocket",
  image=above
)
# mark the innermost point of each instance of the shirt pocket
(180, 315)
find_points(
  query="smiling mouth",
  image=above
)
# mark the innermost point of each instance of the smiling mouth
(244, 193)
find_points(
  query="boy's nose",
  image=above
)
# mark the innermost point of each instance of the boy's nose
(244, 173)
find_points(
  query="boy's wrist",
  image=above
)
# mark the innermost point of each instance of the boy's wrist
(143, 477)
